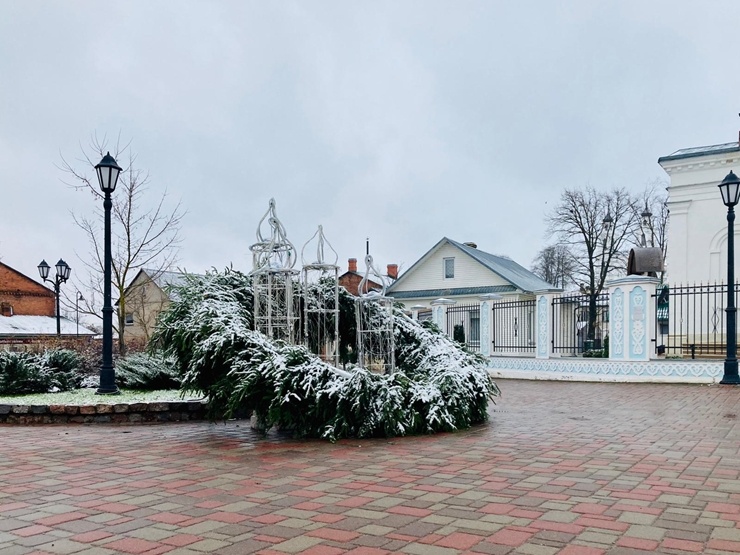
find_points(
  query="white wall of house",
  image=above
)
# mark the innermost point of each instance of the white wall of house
(430, 274)
(697, 229)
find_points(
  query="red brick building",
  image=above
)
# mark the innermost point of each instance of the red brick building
(22, 296)
(351, 279)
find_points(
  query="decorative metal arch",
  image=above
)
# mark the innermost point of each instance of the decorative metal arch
(375, 330)
(273, 280)
(321, 300)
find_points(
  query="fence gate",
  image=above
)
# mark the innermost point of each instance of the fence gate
(570, 323)
(463, 324)
(513, 327)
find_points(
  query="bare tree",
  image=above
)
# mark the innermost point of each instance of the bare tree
(596, 227)
(145, 234)
(555, 264)
(653, 219)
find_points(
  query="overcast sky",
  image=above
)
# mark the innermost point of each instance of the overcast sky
(399, 121)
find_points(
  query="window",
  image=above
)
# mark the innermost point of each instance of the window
(129, 318)
(449, 268)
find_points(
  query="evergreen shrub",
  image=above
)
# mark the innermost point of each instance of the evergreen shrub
(25, 373)
(437, 385)
(148, 371)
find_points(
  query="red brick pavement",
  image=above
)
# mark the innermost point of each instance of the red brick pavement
(569, 468)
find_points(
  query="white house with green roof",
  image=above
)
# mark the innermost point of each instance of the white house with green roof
(461, 272)
(697, 230)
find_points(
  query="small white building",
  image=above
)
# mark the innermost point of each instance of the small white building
(697, 229)
(462, 273)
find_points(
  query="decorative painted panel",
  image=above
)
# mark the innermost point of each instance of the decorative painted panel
(638, 336)
(675, 369)
(616, 343)
(485, 334)
(542, 332)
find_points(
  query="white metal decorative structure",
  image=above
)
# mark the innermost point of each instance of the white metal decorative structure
(273, 280)
(321, 301)
(374, 312)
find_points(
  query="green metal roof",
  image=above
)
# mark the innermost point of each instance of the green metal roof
(457, 291)
(697, 151)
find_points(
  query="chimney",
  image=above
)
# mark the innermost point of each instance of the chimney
(352, 265)
(393, 271)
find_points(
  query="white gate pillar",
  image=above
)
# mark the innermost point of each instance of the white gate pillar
(543, 323)
(486, 325)
(632, 317)
(439, 312)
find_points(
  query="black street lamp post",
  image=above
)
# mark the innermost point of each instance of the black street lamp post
(730, 189)
(63, 271)
(108, 171)
(77, 311)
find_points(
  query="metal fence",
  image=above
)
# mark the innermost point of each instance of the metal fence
(690, 320)
(513, 326)
(463, 324)
(570, 316)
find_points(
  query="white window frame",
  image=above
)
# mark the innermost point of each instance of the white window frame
(129, 319)
(444, 267)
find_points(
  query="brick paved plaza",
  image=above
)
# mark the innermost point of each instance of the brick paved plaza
(571, 468)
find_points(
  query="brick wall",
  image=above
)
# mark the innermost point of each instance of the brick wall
(351, 282)
(24, 295)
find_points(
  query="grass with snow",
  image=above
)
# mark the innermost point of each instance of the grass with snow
(87, 396)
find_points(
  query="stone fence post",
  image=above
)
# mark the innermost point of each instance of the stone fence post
(632, 318)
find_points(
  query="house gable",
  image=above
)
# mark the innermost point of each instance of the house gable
(429, 273)
(21, 295)
(475, 272)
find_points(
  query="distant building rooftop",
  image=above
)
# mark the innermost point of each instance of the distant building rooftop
(15, 326)
(697, 151)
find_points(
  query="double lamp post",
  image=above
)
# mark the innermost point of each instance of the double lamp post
(63, 271)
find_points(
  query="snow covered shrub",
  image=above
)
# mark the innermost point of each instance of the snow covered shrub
(52, 370)
(21, 373)
(437, 386)
(148, 371)
(65, 366)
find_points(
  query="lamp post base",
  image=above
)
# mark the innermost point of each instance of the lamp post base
(731, 376)
(116, 391)
(107, 383)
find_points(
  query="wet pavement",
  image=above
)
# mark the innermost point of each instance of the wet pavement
(570, 468)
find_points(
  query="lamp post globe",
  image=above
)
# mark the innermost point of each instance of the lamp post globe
(730, 190)
(108, 171)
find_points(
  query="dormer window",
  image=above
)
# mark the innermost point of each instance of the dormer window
(449, 264)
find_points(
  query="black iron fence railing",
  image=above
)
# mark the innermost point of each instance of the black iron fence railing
(573, 330)
(690, 320)
(513, 326)
(463, 324)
